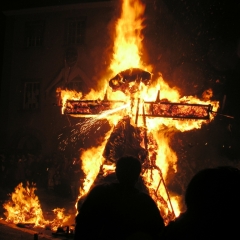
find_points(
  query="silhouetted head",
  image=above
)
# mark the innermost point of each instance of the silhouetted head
(128, 170)
(214, 191)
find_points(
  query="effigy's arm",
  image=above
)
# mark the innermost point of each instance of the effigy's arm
(152, 109)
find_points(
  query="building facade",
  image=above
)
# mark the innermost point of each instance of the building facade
(46, 48)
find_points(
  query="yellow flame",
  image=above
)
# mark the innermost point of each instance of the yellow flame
(92, 160)
(67, 94)
(24, 207)
(128, 39)
(60, 218)
(108, 168)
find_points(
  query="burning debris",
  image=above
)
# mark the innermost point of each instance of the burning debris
(24, 209)
(24, 206)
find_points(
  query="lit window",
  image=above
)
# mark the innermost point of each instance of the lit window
(34, 33)
(76, 31)
(31, 95)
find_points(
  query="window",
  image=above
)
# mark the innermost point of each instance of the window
(76, 31)
(31, 99)
(34, 33)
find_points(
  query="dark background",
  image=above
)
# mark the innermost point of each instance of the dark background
(214, 29)
(24, 4)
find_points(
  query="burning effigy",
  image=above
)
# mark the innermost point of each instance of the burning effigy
(140, 109)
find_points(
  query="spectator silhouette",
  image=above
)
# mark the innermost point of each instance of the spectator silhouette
(119, 210)
(212, 199)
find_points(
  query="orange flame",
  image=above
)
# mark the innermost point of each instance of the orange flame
(128, 40)
(24, 207)
(92, 160)
(60, 218)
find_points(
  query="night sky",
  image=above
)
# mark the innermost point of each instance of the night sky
(214, 25)
(208, 23)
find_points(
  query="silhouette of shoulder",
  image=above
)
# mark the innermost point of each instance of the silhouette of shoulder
(212, 199)
(118, 210)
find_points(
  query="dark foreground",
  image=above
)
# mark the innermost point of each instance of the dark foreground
(12, 232)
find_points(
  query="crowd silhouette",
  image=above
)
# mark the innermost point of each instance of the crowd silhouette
(121, 211)
(212, 199)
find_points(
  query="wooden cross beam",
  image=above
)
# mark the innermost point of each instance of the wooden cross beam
(152, 109)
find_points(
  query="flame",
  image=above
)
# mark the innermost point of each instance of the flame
(60, 218)
(107, 169)
(24, 207)
(128, 37)
(67, 94)
(91, 162)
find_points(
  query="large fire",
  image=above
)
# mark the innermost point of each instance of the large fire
(127, 53)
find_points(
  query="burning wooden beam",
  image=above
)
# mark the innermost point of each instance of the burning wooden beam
(90, 107)
(177, 110)
(152, 109)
